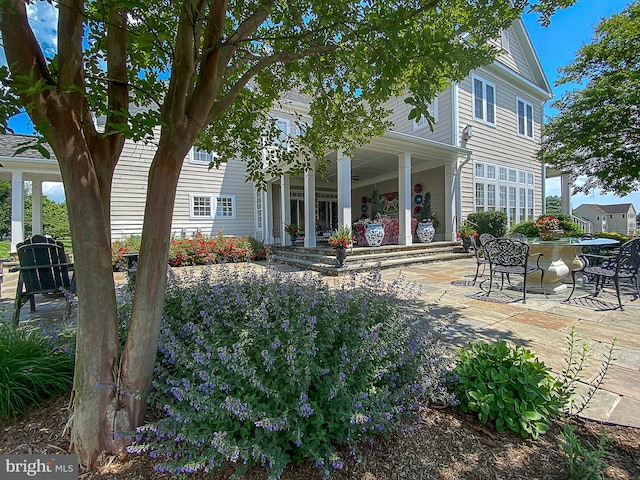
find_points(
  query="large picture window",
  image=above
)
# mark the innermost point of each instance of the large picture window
(484, 100)
(498, 192)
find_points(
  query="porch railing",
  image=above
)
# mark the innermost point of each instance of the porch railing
(585, 225)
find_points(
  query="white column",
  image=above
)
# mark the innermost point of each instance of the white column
(405, 235)
(17, 209)
(268, 216)
(310, 207)
(344, 188)
(450, 201)
(36, 207)
(285, 205)
(565, 194)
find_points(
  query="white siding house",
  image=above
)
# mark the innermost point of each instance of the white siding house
(479, 156)
(619, 218)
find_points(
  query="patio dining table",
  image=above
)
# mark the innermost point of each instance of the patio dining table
(559, 258)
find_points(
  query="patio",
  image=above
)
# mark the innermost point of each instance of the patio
(542, 325)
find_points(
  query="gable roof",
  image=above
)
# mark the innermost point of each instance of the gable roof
(610, 209)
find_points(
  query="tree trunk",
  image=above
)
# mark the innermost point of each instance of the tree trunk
(139, 355)
(95, 412)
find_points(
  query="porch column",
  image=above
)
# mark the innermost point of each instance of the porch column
(36, 207)
(565, 194)
(450, 201)
(285, 205)
(310, 207)
(405, 235)
(268, 218)
(17, 209)
(344, 188)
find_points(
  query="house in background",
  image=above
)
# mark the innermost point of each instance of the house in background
(480, 156)
(619, 218)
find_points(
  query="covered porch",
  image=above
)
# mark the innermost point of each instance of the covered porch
(400, 167)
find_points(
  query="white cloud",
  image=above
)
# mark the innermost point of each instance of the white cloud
(43, 18)
(53, 190)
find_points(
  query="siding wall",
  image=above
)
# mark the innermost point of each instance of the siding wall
(442, 128)
(130, 187)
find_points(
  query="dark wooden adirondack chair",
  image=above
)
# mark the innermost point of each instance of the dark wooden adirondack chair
(44, 268)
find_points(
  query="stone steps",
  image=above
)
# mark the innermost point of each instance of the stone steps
(359, 259)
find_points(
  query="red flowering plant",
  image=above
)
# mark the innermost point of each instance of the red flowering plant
(291, 228)
(342, 237)
(547, 222)
(466, 230)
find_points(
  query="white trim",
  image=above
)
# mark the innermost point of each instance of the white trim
(213, 206)
(198, 161)
(483, 96)
(526, 118)
(232, 207)
(505, 40)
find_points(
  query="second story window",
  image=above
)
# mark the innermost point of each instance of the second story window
(525, 118)
(433, 111)
(484, 101)
(201, 157)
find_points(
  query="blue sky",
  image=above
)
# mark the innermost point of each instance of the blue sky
(556, 46)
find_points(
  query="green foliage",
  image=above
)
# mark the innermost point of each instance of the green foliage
(571, 376)
(509, 386)
(31, 369)
(571, 229)
(5, 208)
(5, 248)
(553, 205)
(594, 136)
(274, 368)
(377, 205)
(584, 462)
(494, 222)
(613, 236)
(425, 212)
(55, 218)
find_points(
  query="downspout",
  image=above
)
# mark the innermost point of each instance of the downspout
(455, 140)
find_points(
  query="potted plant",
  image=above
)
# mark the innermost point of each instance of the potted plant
(548, 227)
(427, 221)
(466, 232)
(292, 230)
(341, 239)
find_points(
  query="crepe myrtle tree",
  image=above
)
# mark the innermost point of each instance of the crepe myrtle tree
(207, 72)
(596, 134)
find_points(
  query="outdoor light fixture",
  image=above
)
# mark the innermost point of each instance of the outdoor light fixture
(467, 133)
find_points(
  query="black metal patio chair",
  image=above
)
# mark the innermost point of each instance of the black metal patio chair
(624, 265)
(508, 256)
(481, 256)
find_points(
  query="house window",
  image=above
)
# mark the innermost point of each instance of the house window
(433, 111)
(201, 157)
(201, 205)
(505, 40)
(493, 193)
(225, 206)
(623, 215)
(484, 101)
(525, 118)
(205, 205)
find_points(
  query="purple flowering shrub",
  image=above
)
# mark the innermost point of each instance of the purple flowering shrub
(269, 369)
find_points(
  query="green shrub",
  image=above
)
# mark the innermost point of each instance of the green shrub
(584, 462)
(31, 369)
(274, 368)
(509, 386)
(614, 236)
(494, 222)
(571, 229)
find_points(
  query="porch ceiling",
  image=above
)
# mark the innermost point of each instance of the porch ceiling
(378, 161)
